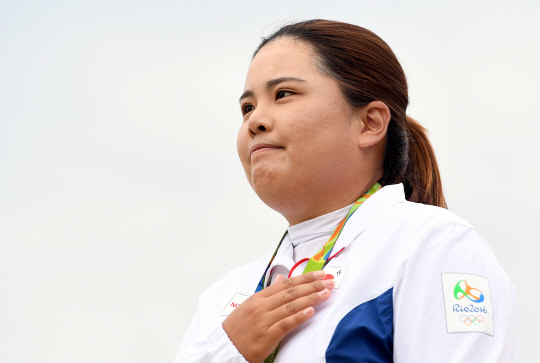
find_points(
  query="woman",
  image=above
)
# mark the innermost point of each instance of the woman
(395, 277)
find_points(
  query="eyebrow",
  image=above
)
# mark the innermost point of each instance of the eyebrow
(271, 83)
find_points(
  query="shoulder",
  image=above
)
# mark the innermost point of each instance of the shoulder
(444, 245)
(410, 220)
(435, 238)
(439, 233)
(422, 217)
(419, 225)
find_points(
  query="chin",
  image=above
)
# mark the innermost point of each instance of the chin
(268, 185)
(264, 185)
(264, 176)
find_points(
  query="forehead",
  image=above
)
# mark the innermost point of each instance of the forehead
(284, 57)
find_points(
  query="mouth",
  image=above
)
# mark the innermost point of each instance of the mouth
(258, 148)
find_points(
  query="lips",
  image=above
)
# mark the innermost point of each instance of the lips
(258, 147)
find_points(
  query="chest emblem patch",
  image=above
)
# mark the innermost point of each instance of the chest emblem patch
(336, 273)
(236, 300)
(467, 303)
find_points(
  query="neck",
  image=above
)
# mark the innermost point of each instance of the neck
(317, 207)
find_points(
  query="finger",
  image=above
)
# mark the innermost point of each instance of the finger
(285, 326)
(295, 306)
(279, 278)
(295, 281)
(293, 293)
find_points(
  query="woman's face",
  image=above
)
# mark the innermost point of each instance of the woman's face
(298, 142)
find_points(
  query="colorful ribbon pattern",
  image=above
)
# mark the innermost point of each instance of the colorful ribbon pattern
(317, 262)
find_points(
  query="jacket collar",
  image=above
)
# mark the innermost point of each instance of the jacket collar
(369, 212)
(365, 216)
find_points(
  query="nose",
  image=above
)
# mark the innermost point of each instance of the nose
(259, 122)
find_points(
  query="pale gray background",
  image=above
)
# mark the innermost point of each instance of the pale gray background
(121, 196)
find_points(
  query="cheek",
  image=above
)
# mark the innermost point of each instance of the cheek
(242, 145)
(315, 132)
(324, 136)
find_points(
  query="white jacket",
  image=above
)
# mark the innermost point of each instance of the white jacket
(415, 283)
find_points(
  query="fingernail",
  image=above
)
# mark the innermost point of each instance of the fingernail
(308, 311)
(319, 274)
(328, 283)
(323, 292)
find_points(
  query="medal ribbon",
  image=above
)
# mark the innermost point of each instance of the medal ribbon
(317, 262)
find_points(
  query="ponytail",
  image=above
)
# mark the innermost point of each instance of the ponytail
(410, 159)
(422, 180)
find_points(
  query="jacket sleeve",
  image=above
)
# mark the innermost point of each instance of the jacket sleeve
(452, 300)
(207, 344)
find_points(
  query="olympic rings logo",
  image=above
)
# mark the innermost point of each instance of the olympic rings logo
(462, 289)
(471, 319)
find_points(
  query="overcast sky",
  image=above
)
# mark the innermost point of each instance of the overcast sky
(121, 194)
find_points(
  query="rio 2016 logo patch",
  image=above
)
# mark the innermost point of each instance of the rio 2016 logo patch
(467, 303)
(462, 289)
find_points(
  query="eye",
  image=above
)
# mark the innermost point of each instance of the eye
(247, 108)
(283, 93)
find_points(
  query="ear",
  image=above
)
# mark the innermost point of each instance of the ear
(375, 118)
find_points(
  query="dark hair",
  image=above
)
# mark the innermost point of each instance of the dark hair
(367, 70)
